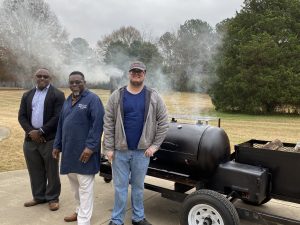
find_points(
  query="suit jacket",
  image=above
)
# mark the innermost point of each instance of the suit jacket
(52, 107)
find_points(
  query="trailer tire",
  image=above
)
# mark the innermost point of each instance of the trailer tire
(208, 207)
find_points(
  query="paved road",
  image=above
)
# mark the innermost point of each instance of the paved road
(15, 190)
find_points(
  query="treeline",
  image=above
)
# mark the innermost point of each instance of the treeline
(257, 67)
(248, 63)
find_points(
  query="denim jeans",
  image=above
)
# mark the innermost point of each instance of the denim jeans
(129, 166)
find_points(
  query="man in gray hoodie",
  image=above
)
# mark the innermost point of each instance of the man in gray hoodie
(135, 125)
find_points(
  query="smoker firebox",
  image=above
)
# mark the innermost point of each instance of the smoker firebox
(283, 167)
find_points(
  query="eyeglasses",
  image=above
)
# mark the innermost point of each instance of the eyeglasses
(75, 82)
(136, 71)
(39, 76)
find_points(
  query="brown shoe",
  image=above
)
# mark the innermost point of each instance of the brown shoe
(53, 206)
(33, 203)
(71, 218)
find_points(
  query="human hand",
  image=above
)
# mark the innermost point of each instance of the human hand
(42, 139)
(110, 155)
(55, 153)
(85, 155)
(36, 136)
(150, 151)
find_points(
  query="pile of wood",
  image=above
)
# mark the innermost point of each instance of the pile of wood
(277, 145)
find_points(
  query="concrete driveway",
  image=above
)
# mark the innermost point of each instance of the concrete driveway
(15, 190)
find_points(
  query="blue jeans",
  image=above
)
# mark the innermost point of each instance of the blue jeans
(129, 166)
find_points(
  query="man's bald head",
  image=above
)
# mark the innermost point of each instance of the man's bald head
(42, 78)
(42, 71)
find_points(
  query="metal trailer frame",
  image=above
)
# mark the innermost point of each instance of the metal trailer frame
(182, 184)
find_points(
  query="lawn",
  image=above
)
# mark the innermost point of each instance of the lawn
(239, 127)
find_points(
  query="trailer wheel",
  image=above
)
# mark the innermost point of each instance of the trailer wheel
(206, 207)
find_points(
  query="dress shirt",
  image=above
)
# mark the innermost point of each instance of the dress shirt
(37, 117)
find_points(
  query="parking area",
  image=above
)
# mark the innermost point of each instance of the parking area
(15, 190)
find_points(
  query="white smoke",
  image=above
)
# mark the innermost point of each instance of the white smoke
(31, 32)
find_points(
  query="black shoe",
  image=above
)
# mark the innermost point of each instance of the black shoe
(112, 223)
(142, 222)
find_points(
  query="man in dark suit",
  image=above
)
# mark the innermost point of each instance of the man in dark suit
(38, 115)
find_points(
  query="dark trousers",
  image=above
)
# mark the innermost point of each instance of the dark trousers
(43, 170)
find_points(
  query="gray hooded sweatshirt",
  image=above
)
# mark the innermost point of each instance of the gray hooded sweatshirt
(155, 122)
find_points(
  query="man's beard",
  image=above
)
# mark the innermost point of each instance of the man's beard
(76, 93)
(136, 83)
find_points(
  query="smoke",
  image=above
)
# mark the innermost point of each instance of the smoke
(158, 80)
(197, 48)
(117, 71)
(96, 75)
(32, 34)
(34, 38)
(189, 59)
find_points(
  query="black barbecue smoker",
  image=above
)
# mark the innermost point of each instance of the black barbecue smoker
(197, 157)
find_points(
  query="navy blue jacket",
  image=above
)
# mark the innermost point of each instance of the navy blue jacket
(80, 126)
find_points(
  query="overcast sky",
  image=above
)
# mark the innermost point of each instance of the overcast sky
(92, 19)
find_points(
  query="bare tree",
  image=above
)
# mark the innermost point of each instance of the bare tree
(187, 55)
(31, 31)
(166, 45)
(126, 35)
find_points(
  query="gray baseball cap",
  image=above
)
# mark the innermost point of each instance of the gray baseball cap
(137, 65)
